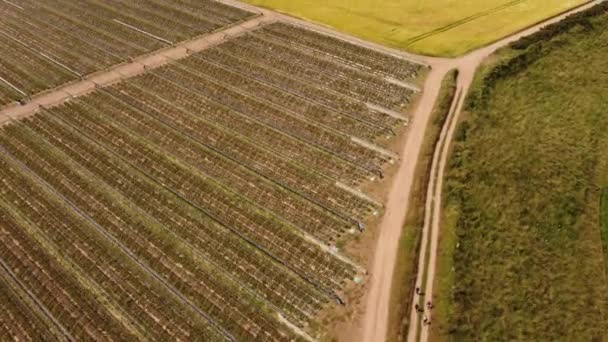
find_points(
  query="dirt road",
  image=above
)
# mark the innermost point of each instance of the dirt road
(378, 299)
(126, 70)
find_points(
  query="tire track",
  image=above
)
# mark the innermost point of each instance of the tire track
(463, 21)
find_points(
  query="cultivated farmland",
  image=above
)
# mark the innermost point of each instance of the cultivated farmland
(204, 199)
(48, 43)
(429, 27)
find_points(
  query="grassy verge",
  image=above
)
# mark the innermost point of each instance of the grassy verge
(523, 195)
(405, 270)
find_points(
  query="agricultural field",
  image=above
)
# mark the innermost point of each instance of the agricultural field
(524, 192)
(48, 43)
(432, 27)
(204, 199)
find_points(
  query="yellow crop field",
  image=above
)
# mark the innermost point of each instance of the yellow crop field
(430, 27)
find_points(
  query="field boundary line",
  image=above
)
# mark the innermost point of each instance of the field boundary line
(166, 41)
(462, 21)
(51, 59)
(21, 295)
(12, 86)
(12, 4)
(116, 73)
(375, 148)
(406, 56)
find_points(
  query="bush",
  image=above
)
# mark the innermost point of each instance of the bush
(580, 18)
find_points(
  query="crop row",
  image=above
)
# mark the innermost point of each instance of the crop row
(357, 56)
(260, 191)
(18, 321)
(301, 55)
(223, 301)
(33, 266)
(252, 129)
(60, 25)
(269, 115)
(265, 162)
(216, 8)
(73, 13)
(17, 63)
(218, 244)
(306, 90)
(73, 54)
(156, 310)
(362, 126)
(56, 40)
(91, 36)
(278, 238)
(141, 18)
(197, 17)
(8, 94)
(170, 20)
(318, 70)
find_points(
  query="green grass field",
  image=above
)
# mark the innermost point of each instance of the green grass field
(430, 27)
(524, 189)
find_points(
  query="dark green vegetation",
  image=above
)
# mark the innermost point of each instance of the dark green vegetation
(577, 19)
(200, 200)
(44, 44)
(604, 221)
(404, 276)
(523, 191)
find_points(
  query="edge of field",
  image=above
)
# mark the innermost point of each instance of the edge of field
(429, 53)
(404, 275)
(426, 52)
(136, 59)
(444, 280)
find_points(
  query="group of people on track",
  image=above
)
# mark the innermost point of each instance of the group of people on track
(429, 306)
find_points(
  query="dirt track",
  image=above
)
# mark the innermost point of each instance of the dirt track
(127, 70)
